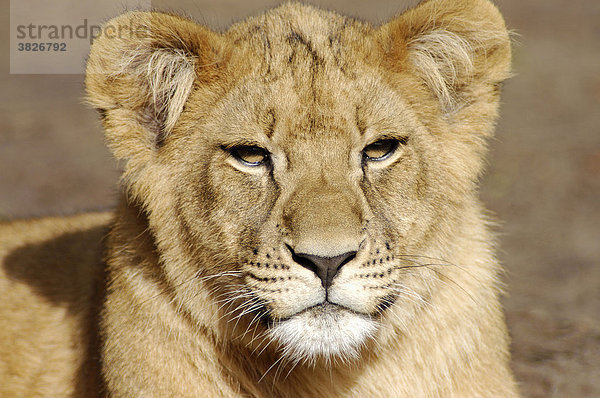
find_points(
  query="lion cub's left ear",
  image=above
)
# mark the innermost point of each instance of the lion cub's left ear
(459, 49)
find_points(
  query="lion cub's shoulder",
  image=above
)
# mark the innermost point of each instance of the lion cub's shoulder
(18, 232)
(50, 257)
(49, 268)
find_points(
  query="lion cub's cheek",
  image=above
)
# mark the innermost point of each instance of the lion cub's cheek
(348, 292)
(364, 290)
(290, 297)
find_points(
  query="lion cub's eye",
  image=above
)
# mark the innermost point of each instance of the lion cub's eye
(380, 150)
(250, 155)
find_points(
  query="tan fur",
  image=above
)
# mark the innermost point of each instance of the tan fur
(202, 294)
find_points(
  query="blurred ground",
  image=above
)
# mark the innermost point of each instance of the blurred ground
(543, 181)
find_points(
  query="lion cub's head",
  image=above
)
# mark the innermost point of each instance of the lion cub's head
(300, 169)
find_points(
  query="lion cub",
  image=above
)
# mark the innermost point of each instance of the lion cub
(299, 216)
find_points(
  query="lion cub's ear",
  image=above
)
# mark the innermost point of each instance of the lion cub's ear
(460, 49)
(140, 72)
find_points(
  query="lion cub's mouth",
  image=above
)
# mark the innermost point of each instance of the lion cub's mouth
(325, 330)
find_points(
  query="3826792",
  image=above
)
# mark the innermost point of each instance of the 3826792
(47, 46)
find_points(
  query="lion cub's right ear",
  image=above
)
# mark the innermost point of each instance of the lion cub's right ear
(140, 72)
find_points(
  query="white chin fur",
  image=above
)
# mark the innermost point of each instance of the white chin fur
(325, 331)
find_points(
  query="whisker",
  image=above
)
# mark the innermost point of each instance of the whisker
(441, 262)
(195, 277)
(271, 367)
(411, 295)
(455, 284)
(442, 276)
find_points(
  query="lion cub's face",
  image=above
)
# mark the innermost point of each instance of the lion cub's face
(307, 161)
(314, 179)
(313, 198)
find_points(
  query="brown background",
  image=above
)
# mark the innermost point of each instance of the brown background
(543, 181)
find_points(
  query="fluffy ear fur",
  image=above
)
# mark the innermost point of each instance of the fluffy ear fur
(460, 49)
(140, 72)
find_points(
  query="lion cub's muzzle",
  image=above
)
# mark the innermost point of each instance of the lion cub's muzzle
(324, 218)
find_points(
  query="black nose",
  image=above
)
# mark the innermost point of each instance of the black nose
(325, 267)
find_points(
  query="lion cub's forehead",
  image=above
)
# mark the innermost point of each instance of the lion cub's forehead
(305, 75)
(335, 109)
(302, 40)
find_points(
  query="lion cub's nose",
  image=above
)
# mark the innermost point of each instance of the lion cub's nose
(325, 267)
